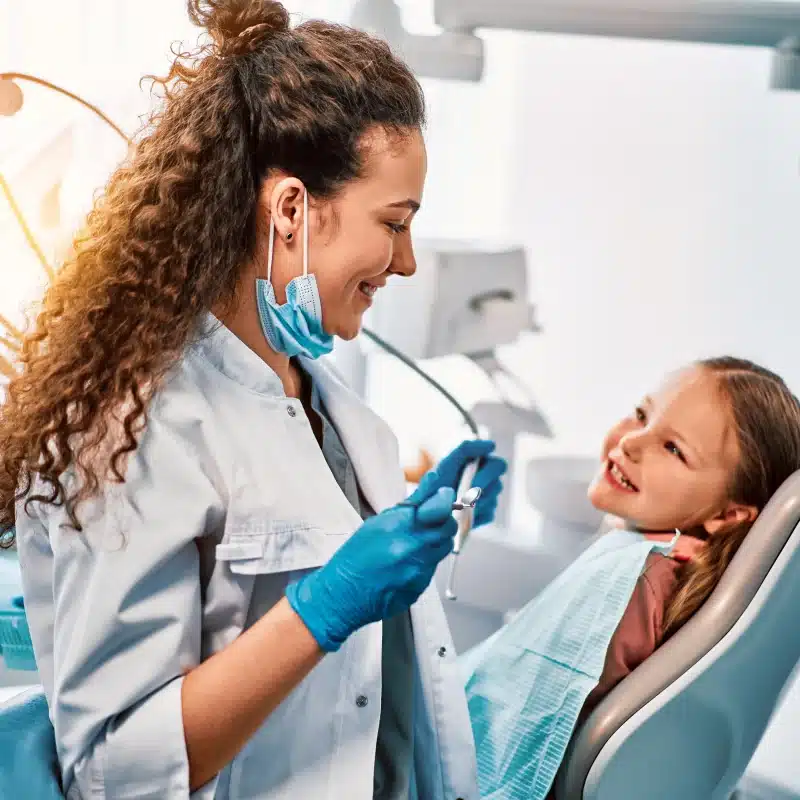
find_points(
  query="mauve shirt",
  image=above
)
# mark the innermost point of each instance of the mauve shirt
(640, 631)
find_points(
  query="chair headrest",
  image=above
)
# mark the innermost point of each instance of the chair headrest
(776, 526)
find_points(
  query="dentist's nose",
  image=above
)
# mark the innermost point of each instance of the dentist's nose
(404, 261)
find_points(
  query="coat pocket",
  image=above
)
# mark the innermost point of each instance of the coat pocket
(262, 546)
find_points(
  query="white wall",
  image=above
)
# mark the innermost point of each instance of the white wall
(656, 187)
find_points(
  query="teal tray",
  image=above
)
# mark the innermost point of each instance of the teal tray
(15, 639)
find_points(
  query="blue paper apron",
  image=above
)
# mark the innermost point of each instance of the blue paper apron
(527, 684)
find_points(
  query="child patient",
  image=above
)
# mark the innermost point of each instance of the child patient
(701, 455)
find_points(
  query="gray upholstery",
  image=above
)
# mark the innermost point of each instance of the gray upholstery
(687, 721)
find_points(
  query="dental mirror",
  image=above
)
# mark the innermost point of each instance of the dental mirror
(468, 499)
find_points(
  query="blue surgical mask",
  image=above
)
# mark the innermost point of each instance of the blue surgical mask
(294, 328)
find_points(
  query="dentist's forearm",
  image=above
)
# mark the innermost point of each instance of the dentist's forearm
(227, 698)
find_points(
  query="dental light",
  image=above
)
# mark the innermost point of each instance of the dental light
(744, 23)
(458, 54)
(786, 65)
(453, 55)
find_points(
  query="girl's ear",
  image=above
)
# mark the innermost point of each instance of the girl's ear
(732, 515)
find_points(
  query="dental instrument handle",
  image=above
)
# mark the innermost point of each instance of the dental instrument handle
(464, 526)
(450, 590)
(467, 514)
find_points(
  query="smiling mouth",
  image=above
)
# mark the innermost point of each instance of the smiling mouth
(367, 289)
(619, 478)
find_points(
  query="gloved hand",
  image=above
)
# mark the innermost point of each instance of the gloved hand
(449, 470)
(379, 571)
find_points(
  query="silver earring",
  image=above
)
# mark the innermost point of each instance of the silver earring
(289, 237)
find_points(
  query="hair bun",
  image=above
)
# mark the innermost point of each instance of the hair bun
(238, 25)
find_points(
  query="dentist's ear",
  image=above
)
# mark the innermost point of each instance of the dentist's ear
(283, 200)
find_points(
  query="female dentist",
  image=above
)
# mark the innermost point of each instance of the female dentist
(217, 572)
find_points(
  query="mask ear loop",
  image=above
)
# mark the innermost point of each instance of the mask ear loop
(271, 246)
(305, 239)
(305, 232)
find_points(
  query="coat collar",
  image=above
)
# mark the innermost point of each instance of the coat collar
(234, 359)
(369, 441)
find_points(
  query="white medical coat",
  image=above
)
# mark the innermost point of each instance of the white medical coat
(227, 492)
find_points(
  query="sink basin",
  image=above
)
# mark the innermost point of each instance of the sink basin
(557, 487)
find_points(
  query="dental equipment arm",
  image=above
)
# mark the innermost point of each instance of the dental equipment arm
(393, 351)
(743, 23)
(754, 23)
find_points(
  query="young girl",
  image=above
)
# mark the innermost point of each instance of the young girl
(701, 456)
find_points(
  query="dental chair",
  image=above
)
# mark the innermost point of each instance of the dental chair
(686, 723)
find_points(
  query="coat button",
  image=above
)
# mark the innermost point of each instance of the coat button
(442, 652)
(290, 411)
(361, 701)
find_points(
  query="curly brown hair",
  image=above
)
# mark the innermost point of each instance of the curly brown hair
(175, 226)
(766, 418)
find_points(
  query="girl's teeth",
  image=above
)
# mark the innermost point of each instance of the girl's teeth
(616, 472)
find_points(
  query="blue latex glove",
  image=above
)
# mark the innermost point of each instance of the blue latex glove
(379, 571)
(449, 470)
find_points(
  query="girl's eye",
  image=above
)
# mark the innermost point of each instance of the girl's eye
(675, 450)
(396, 227)
(640, 415)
